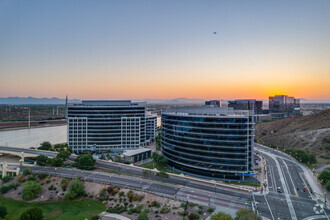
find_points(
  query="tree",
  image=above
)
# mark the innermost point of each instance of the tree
(327, 186)
(147, 173)
(27, 171)
(76, 189)
(246, 214)
(85, 162)
(143, 216)
(3, 212)
(57, 162)
(41, 160)
(159, 159)
(45, 146)
(324, 176)
(64, 154)
(162, 174)
(193, 216)
(30, 190)
(32, 214)
(221, 216)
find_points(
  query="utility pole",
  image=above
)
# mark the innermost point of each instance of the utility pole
(29, 118)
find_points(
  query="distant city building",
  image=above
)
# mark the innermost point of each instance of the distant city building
(246, 104)
(216, 103)
(132, 156)
(100, 126)
(283, 106)
(151, 127)
(208, 141)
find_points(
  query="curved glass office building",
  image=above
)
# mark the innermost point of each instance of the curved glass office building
(209, 141)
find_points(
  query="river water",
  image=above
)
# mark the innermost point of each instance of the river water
(26, 138)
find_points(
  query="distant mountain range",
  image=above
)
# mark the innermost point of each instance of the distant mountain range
(34, 101)
(56, 101)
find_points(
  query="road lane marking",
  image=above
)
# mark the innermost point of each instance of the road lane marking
(294, 187)
(271, 213)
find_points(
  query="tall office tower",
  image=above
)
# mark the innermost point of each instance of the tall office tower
(215, 103)
(283, 106)
(100, 126)
(210, 142)
(246, 104)
(151, 127)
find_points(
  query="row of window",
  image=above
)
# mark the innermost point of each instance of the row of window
(198, 144)
(206, 136)
(197, 129)
(239, 155)
(225, 120)
(207, 125)
(202, 165)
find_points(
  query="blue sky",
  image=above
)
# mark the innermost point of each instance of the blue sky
(123, 49)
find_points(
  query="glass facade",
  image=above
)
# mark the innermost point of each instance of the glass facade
(212, 145)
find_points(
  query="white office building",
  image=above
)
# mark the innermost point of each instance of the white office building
(151, 124)
(100, 126)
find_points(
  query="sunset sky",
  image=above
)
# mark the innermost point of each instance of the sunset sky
(165, 49)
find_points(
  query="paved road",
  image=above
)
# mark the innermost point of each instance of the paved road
(296, 202)
(184, 193)
(282, 172)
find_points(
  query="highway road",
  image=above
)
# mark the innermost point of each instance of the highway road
(184, 193)
(282, 171)
(296, 201)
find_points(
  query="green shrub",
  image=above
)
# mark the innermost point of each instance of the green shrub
(247, 214)
(3, 212)
(165, 210)
(327, 186)
(30, 190)
(117, 210)
(5, 189)
(27, 171)
(221, 216)
(21, 179)
(42, 176)
(121, 193)
(47, 180)
(210, 210)
(32, 214)
(102, 192)
(31, 178)
(64, 186)
(193, 216)
(191, 204)
(143, 216)
(6, 179)
(183, 212)
(76, 189)
(324, 176)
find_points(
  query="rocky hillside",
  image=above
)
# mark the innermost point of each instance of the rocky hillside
(311, 133)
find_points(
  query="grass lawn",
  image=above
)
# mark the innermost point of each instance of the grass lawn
(246, 184)
(76, 209)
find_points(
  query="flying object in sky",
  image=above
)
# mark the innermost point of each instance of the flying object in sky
(214, 32)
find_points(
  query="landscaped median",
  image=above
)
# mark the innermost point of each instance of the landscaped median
(76, 209)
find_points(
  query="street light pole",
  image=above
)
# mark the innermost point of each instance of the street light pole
(209, 200)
